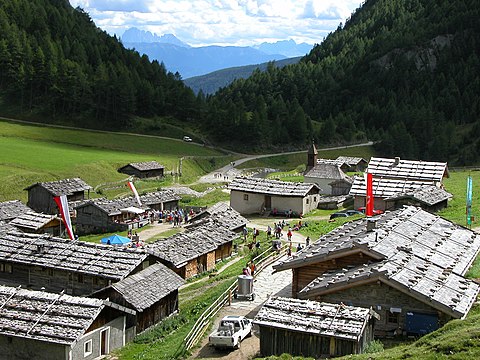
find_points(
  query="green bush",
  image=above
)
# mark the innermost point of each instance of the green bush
(374, 347)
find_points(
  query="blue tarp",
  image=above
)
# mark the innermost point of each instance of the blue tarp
(116, 240)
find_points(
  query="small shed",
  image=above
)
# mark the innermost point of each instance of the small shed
(352, 164)
(250, 195)
(221, 213)
(45, 326)
(40, 195)
(161, 200)
(313, 329)
(429, 197)
(9, 210)
(152, 293)
(33, 222)
(145, 169)
(196, 251)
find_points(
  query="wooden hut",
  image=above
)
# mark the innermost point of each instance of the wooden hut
(312, 329)
(221, 213)
(324, 173)
(161, 200)
(45, 326)
(408, 264)
(9, 210)
(195, 251)
(152, 293)
(54, 264)
(352, 164)
(145, 169)
(33, 222)
(430, 198)
(250, 195)
(40, 195)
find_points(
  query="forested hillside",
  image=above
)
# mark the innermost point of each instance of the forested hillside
(402, 72)
(55, 62)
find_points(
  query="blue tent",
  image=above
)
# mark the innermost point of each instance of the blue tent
(116, 240)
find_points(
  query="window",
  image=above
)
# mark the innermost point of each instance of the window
(307, 201)
(245, 197)
(87, 348)
(6, 268)
(392, 317)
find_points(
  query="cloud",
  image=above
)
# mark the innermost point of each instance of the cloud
(222, 22)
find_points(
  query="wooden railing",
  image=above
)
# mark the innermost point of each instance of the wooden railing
(203, 322)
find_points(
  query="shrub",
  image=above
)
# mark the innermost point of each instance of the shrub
(374, 347)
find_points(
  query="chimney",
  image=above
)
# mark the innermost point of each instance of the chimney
(397, 161)
(371, 224)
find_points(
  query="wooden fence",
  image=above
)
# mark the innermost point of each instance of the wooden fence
(201, 325)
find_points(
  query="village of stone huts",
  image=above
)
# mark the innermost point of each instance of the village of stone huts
(398, 273)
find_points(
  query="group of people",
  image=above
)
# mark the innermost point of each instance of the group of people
(173, 217)
(249, 269)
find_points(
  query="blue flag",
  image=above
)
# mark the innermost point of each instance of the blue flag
(469, 199)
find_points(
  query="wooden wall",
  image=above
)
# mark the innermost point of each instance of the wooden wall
(382, 298)
(40, 200)
(92, 220)
(304, 275)
(224, 251)
(274, 341)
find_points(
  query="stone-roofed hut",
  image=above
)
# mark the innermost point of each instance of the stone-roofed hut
(103, 215)
(429, 197)
(40, 195)
(36, 223)
(145, 169)
(394, 176)
(152, 293)
(324, 174)
(408, 264)
(45, 326)
(250, 195)
(79, 268)
(221, 213)
(9, 210)
(352, 164)
(312, 329)
(196, 251)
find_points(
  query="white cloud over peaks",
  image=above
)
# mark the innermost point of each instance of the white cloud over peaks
(223, 22)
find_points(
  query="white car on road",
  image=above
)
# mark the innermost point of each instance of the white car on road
(231, 331)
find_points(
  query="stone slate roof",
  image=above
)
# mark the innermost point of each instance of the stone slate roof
(63, 187)
(271, 187)
(181, 248)
(438, 286)
(145, 166)
(385, 188)
(74, 256)
(5, 226)
(32, 220)
(47, 317)
(429, 195)
(443, 250)
(221, 213)
(114, 207)
(11, 209)
(330, 161)
(337, 199)
(327, 171)
(312, 317)
(351, 160)
(148, 286)
(408, 169)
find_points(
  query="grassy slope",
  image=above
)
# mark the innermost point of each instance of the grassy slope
(29, 154)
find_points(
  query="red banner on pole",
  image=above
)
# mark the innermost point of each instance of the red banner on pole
(369, 204)
(62, 204)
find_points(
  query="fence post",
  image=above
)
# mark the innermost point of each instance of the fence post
(229, 297)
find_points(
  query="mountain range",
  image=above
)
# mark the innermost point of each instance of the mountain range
(188, 61)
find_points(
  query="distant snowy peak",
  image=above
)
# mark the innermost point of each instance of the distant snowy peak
(288, 48)
(134, 35)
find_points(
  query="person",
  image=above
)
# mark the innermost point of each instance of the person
(289, 252)
(247, 269)
(307, 241)
(244, 271)
(269, 231)
(253, 268)
(255, 233)
(245, 233)
(299, 247)
(289, 234)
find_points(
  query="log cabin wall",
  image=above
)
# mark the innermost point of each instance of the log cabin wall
(304, 275)
(382, 298)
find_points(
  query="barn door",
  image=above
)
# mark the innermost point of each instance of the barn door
(268, 202)
(104, 339)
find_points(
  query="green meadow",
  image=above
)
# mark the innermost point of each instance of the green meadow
(30, 154)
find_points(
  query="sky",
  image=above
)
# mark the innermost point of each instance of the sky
(223, 22)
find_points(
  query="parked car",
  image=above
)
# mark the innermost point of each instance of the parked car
(187, 139)
(231, 331)
(375, 211)
(339, 214)
(354, 212)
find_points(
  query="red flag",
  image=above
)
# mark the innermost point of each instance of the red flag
(134, 190)
(63, 207)
(369, 204)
